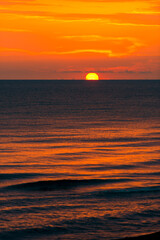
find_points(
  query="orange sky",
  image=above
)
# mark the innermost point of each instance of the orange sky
(66, 39)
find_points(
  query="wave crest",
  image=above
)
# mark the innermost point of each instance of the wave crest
(65, 184)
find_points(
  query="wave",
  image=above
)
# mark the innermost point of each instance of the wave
(126, 191)
(58, 232)
(69, 184)
(155, 236)
(53, 185)
(122, 141)
(32, 233)
(9, 176)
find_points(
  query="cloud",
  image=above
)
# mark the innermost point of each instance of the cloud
(102, 51)
(78, 51)
(109, 1)
(137, 19)
(97, 38)
(124, 71)
(71, 71)
(156, 8)
(21, 2)
(131, 44)
(15, 50)
(13, 30)
(22, 65)
(128, 46)
(119, 46)
(119, 18)
(134, 68)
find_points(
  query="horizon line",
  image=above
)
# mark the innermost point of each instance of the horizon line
(54, 79)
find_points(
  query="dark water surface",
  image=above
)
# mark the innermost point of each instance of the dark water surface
(79, 159)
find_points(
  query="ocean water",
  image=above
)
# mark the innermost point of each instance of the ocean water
(79, 159)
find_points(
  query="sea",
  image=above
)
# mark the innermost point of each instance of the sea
(79, 159)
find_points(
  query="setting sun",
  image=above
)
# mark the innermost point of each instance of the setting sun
(92, 76)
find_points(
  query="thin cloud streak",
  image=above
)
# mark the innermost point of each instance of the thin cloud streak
(13, 30)
(109, 53)
(109, 1)
(97, 38)
(21, 2)
(137, 19)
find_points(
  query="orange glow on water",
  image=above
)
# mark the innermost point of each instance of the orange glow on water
(82, 156)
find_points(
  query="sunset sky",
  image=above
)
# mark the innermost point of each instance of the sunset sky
(66, 39)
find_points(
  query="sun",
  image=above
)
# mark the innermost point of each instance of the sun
(92, 76)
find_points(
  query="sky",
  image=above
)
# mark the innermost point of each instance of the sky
(66, 39)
